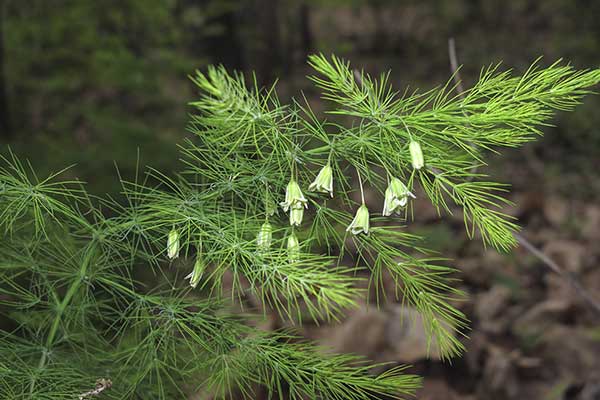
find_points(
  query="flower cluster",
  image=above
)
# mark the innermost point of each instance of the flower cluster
(396, 199)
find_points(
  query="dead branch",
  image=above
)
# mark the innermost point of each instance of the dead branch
(101, 386)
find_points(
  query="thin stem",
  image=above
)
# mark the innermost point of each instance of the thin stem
(59, 313)
(294, 171)
(406, 126)
(330, 152)
(266, 199)
(362, 192)
(454, 66)
(383, 165)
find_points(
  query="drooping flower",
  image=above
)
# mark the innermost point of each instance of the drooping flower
(360, 223)
(197, 272)
(264, 237)
(396, 197)
(173, 244)
(416, 154)
(296, 214)
(293, 197)
(324, 181)
(293, 248)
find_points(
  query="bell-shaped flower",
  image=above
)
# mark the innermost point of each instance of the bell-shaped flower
(416, 155)
(173, 244)
(296, 214)
(197, 272)
(293, 197)
(264, 237)
(360, 223)
(396, 197)
(324, 181)
(293, 248)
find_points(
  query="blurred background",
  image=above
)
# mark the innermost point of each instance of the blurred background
(94, 83)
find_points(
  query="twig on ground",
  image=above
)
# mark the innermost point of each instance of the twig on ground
(101, 386)
(571, 279)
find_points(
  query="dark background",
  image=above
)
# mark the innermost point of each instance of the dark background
(94, 83)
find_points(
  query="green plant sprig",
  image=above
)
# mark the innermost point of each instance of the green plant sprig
(266, 206)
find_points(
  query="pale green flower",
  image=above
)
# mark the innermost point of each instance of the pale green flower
(173, 244)
(360, 223)
(296, 214)
(197, 272)
(416, 155)
(293, 248)
(293, 197)
(396, 197)
(264, 237)
(324, 181)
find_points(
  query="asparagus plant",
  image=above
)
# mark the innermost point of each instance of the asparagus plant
(136, 297)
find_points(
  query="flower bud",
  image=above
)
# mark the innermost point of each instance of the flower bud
(264, 237)
(173, 244)
(293, 197)
(293, 248)
(396, 197)
(416, 155)
(296, 214)
(197, 272)
(360, 223)
(324, 181)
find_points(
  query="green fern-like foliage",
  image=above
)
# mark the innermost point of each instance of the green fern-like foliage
(141, 291)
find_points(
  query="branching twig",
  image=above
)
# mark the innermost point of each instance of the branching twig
(571, 279)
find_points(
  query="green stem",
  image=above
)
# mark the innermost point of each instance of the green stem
(362, 193)
(59, 313)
